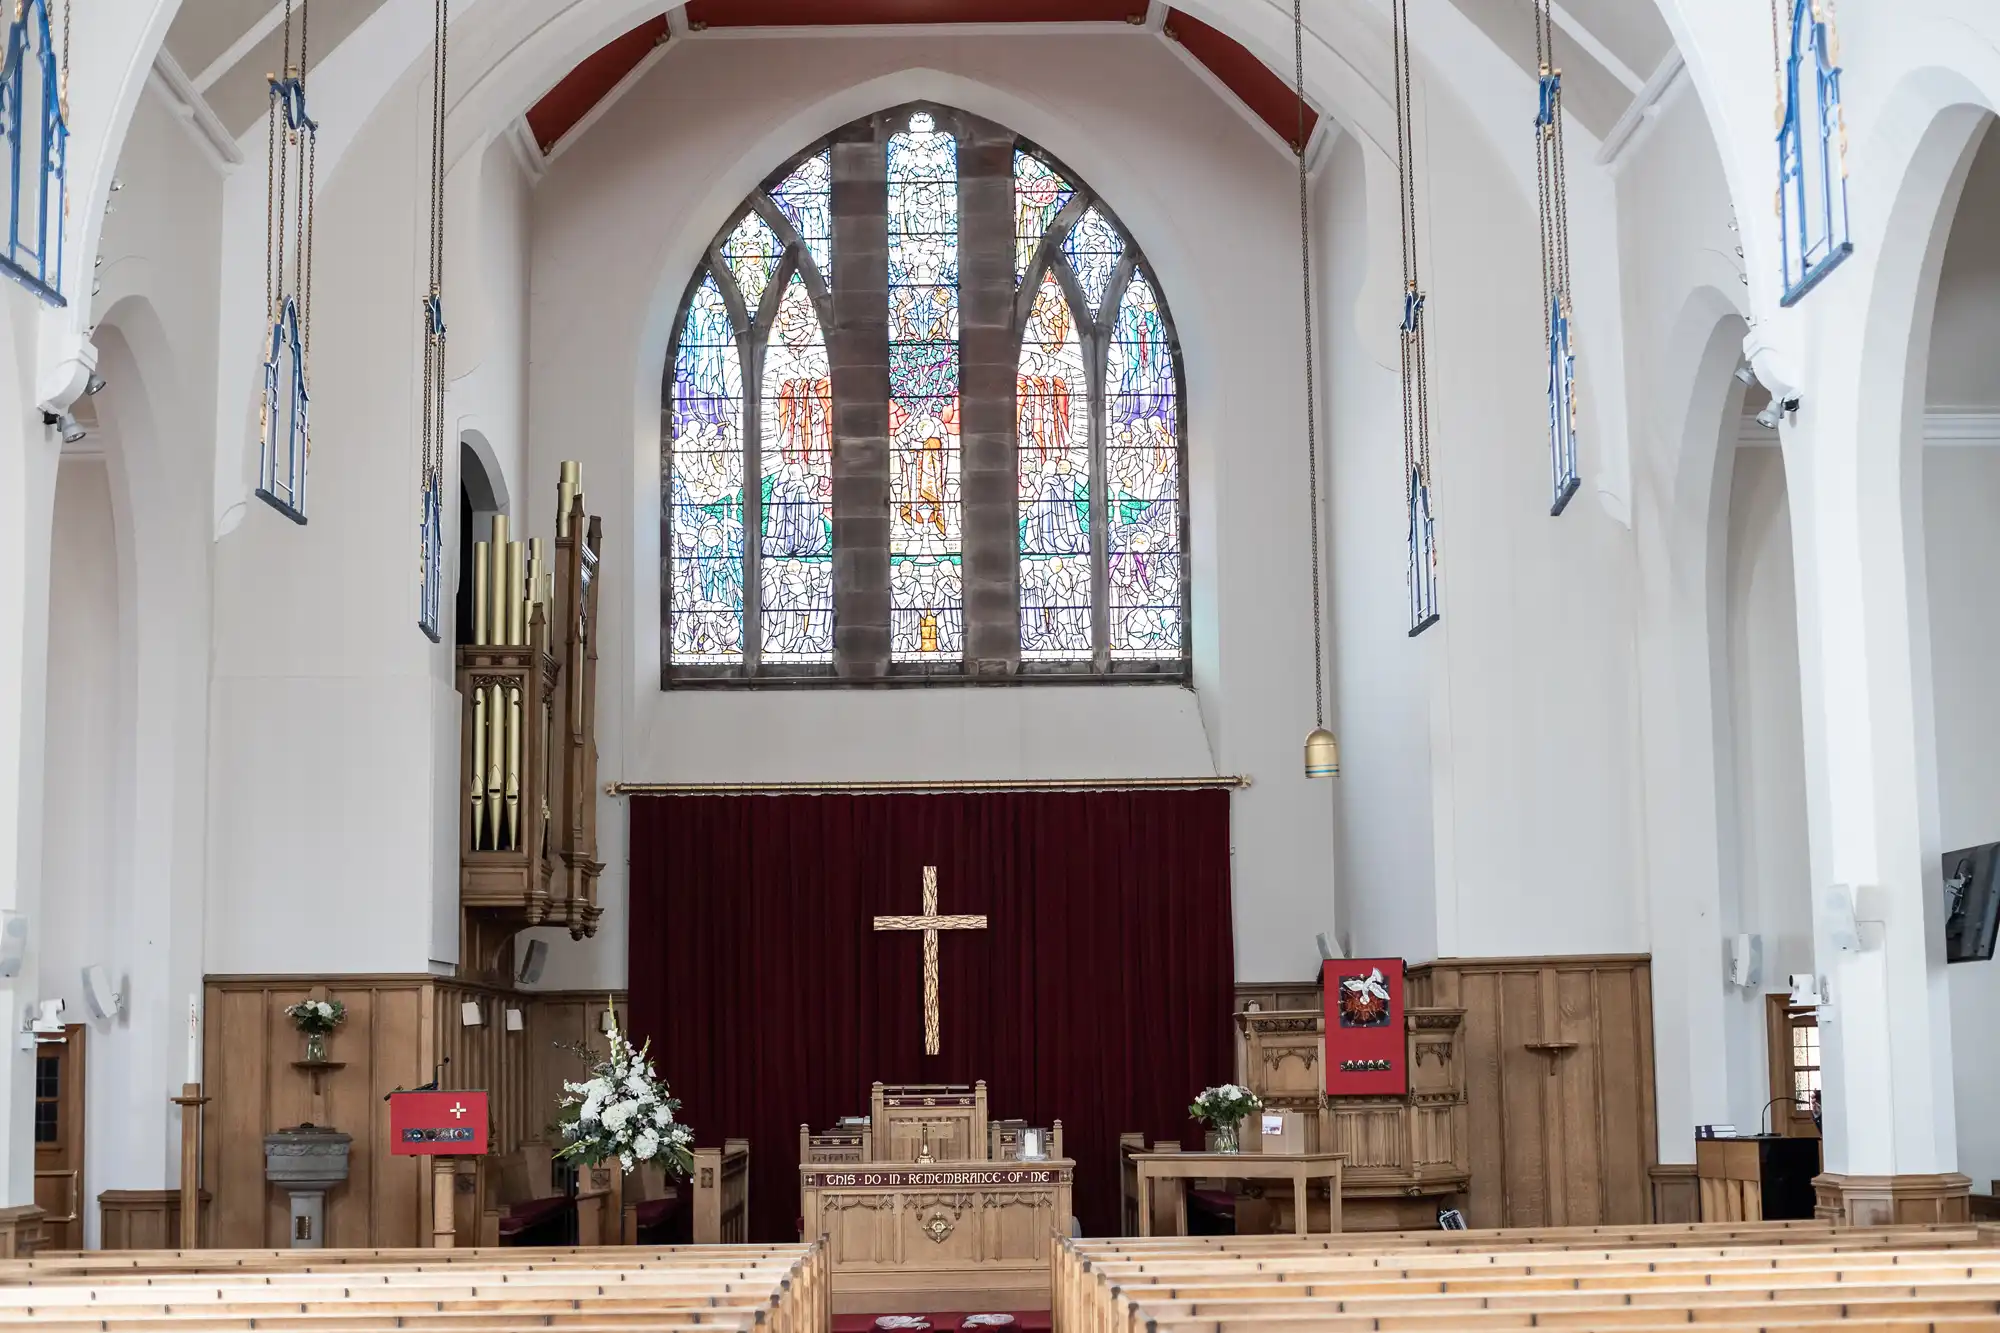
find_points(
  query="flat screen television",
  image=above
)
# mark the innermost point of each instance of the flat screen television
(1971, 902)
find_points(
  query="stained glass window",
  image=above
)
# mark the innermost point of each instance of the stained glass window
(1052, 405)
(926, 568)
(1092, 248)
(806, 199)
(705, 485)
(860, 506)
(1143, 481)
(795, 419)
(1039, 195)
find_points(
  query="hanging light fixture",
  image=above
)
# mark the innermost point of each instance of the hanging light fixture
(1322, 750)
(430, 493)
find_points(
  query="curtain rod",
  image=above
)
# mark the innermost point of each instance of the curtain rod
(1230, 782)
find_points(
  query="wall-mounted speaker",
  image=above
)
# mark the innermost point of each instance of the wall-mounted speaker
(1837, 910)
(13, 943)
(99, 995)
(468, 1014)
(1746, 961)
(533, 959)
(515, 1021)
(1326, 952)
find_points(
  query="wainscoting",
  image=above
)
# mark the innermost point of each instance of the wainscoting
(397, 1031)
(1559, 1078)
(1559, 1085)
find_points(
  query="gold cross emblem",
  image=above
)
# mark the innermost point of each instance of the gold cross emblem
(930, 923)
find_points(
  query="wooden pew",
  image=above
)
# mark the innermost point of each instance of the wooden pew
(779, 1288)
(721, 1186)
(1774, 1276)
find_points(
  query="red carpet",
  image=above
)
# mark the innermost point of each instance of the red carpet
(1025, 1321)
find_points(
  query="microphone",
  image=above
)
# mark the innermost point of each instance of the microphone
(437, 1077)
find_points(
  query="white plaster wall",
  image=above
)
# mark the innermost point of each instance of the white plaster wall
(1533, 712)
(619, 221)
(1684, 306)
(1381, 682)
(1766, 884)
(1961, 498)
(1527, 689)
(1963, 370)
(83, 821)
(154, 301)
(326, 804)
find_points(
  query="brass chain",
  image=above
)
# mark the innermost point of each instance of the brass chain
(1306, 287)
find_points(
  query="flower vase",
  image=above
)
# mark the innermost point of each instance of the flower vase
(315, 1048)
(1229, 1138)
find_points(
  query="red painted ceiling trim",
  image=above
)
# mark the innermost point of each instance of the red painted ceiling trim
(585, 86)
(1270, 98)
(844, 13)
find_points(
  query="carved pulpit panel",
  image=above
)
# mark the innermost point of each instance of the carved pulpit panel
(1282, 1051)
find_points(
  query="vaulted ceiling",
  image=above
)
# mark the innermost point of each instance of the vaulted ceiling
(1608, 50)
(227, 48)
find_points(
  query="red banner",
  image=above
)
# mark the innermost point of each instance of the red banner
(1366, 1051)
(437, 1124)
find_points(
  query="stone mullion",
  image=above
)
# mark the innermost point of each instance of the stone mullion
(857, 345)
(989, 361)
(1097, 351)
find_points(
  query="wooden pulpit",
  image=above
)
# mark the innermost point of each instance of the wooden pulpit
(1406, 1155)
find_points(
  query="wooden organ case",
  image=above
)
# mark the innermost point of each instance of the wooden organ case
(527, 810)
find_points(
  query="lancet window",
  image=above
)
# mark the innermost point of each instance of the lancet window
(908, 508)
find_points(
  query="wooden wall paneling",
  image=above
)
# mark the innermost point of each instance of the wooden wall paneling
(1559, 1083)
(1625, 1098)
(1577, 1114)
(1523, 1104)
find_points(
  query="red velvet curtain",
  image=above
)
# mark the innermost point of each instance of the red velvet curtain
(1100, 993)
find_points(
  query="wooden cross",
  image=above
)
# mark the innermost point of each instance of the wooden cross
(930, 923)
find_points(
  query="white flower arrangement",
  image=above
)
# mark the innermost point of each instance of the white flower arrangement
(316, 1018)
(624, 1111)
(1225, 1107)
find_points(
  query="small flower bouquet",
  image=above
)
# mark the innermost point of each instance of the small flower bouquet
(1224, 1109)
(624, 1111)
(316, 1019)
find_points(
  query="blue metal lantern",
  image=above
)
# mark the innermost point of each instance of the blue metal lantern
(1813, 236)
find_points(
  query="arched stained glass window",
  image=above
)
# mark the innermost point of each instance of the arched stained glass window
(964, 421)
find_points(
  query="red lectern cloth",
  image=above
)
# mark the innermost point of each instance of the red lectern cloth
(437, 1124)
(1366, 1052)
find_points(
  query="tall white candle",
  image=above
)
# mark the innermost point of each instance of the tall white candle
(194, 1040)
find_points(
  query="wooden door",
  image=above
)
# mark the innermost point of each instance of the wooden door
(59, 1137)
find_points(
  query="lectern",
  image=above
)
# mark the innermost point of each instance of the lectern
(1765, 1178)
(440, 1126)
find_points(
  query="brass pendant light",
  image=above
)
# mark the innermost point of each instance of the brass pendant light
(1322, 750)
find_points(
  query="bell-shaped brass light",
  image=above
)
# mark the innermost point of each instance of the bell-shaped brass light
(1322, 754)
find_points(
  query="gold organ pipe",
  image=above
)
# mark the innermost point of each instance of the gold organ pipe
(514, 768)
(496, 764)
(479, 594)
(478, 794)
(496, 583)
(517, 629)
(568, 485)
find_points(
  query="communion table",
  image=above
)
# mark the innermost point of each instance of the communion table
(930, 1217)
